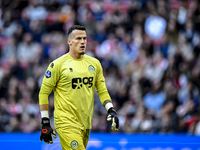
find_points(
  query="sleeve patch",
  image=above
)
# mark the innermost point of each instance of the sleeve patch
(48, 74)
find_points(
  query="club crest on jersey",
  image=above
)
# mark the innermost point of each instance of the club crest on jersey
(48, 74)
(91, 68)
(74, 144)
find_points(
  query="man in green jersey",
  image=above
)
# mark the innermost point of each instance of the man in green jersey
(74, 77)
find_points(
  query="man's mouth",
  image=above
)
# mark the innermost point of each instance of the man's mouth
(82, 47)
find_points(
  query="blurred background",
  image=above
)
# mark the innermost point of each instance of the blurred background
(149, 50)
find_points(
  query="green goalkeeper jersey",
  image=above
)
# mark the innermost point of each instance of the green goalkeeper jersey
(73, 81)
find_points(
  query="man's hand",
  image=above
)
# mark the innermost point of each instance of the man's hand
(47, 131)
(112, 115)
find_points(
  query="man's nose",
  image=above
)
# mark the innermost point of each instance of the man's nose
(83, 41)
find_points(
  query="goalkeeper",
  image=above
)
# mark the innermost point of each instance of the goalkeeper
(74, 77)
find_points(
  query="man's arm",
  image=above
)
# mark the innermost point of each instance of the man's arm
(50, 79)
(105, 98)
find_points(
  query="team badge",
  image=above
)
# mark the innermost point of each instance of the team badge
(74, 144)
(91, 68)
(48, 74)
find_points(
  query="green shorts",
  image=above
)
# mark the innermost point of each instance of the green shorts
(72, 138)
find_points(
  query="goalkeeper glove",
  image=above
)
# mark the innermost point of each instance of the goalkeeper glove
(47, 131)
(112, 115)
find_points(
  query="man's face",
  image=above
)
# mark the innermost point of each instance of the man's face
(77, 41)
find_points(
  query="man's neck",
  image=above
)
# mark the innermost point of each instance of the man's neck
(75, 55)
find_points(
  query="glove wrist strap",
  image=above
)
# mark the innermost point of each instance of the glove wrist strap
(110, 110)
(45, 121)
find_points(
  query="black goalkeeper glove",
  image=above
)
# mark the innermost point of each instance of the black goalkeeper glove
(112, 115)
(47, 131)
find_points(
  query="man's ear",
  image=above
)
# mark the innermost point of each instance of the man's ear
(69, 42)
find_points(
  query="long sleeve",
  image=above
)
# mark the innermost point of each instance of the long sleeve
(101, 85)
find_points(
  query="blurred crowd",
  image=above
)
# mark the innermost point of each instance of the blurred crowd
(149, 50)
